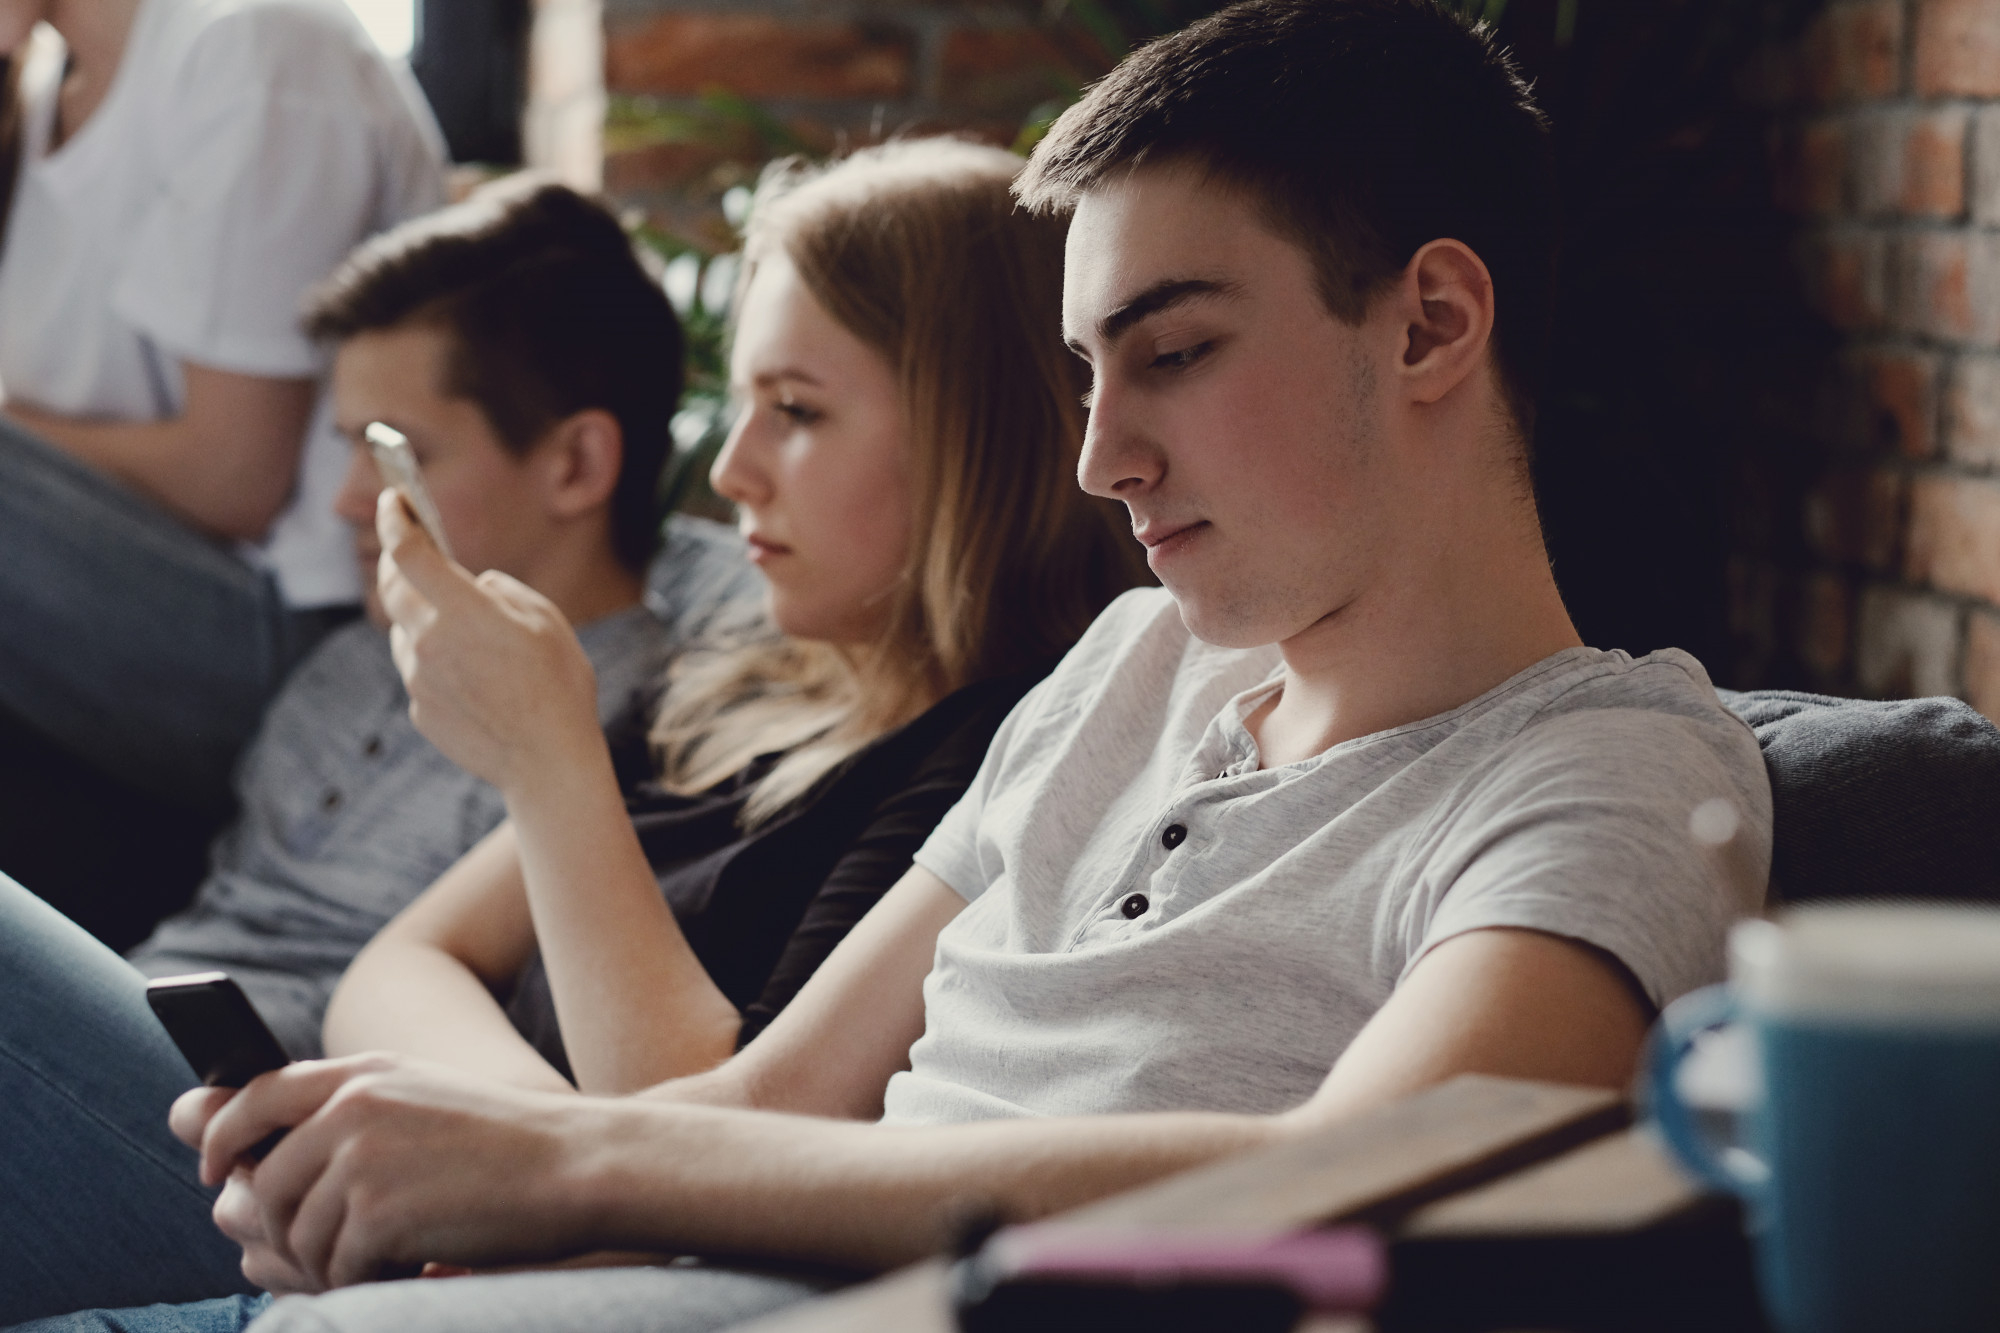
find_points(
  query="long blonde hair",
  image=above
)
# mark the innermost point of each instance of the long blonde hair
(917, 248)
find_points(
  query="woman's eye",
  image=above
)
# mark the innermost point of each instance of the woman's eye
(799, 413)
(1182, 358)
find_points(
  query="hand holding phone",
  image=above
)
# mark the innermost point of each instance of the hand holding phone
(397, 463)
(216, 1027)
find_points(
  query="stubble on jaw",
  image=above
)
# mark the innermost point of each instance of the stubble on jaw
(1306, 587)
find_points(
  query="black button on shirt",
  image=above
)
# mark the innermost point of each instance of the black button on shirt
(1134, 907)
(1175, 835)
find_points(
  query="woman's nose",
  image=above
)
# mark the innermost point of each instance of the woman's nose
(738, 474)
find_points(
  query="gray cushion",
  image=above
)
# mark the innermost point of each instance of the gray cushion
(1896, 799)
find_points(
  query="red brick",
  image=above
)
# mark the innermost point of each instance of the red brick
(758, 56)
(1855, 517)
(1008, 70)
(1825, 624)
(1811, 168)
(1946, 285)
(1933, 162)
(1972, 412)
(1982, 663)
(1958, 48)
(1847, 272)
(1855, 51)
(1910, 163)
(1954, 540)
(1906, 643)
(1902, 395)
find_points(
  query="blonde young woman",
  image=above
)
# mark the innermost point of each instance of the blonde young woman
(903, 464)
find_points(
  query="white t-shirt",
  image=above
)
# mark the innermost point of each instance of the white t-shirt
(243, 148)
(1155, 922)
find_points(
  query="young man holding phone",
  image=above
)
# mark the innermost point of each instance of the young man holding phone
(533, 366)
(1344, 811)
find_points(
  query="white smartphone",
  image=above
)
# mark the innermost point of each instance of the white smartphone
(398, 465)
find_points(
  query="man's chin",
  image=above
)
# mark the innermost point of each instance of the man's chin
(1221, 619)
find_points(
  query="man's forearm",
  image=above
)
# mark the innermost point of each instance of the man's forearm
(688, 1178)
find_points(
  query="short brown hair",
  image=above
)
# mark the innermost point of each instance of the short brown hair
(1364, 128)
(550, 311)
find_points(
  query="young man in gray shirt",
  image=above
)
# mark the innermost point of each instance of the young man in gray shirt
(535, 366)
(1345, 810)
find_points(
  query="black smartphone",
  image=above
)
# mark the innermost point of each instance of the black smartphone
(217, 1028)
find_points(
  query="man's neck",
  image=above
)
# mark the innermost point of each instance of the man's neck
(1469, 613)
(586, 584)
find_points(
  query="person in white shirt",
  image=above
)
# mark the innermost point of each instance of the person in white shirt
(177, 174)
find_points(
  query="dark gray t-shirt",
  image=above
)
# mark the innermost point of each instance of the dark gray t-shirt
(1157, 922)
(348, 813)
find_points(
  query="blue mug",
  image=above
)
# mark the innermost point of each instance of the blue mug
(1868, 1148)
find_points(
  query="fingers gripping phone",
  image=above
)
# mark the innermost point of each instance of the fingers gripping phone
(398, 465)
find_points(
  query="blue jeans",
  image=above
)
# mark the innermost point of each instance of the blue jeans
(225, 1314)
(102, 1204)
(131, 640)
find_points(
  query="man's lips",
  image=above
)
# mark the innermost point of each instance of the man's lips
(1153, 536)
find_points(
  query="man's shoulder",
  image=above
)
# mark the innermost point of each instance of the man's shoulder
(1654, 719)
(1666, 688)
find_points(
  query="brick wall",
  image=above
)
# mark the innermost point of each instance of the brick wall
(826, 75)
(1888, 154)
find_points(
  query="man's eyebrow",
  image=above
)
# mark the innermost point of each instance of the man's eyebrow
(1163, 295)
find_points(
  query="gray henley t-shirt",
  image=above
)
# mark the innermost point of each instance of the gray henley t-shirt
(1157, 922)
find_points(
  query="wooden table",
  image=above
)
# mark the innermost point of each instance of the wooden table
(1507, 1205)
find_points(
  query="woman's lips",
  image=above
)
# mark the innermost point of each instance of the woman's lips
(763, 548)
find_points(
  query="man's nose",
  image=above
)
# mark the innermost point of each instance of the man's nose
(355, 501)
(1120, 460)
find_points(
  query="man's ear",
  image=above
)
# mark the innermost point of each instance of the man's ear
(1446, 299)
(580, 460)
